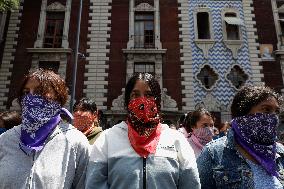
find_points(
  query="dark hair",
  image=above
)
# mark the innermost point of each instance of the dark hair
(10, 119)
(150, 80)
(193, 117)
(249, 96)
(85, 104)
(48, 80)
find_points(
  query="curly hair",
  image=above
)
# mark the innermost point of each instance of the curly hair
(193, 117)
(10, 119)
(48, 81)
(250, 96)
(150, 80)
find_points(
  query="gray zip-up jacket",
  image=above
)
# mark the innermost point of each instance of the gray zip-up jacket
(115, 165)
(60, 164)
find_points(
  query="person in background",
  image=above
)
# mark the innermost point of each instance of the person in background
(198, 128)
(43, 152)
(86, 119)
(8, 120)
(223, 129)
(249, 156)
(140, 152)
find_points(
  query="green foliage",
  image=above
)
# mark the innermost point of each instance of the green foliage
(8, 5)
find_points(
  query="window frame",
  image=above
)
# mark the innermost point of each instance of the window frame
(225, 34)
(144, 64)
(140, 44)
(210, 25)
(58, 24)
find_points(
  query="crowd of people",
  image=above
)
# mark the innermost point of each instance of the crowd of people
(46, 146)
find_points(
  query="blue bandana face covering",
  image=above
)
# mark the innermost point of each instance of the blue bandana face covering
(256, 133)
(39, 118)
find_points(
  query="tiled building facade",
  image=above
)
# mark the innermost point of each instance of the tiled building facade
(201, 52)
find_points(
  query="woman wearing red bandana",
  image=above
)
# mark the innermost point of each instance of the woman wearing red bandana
(140, 152)
(86, 119)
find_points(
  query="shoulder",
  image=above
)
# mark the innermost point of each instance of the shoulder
(10, 139)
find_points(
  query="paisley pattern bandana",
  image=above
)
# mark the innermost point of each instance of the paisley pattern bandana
(39, 118)
(203, 135)
(144, 128)
(143, 115)
(84, 121)
(256, 133)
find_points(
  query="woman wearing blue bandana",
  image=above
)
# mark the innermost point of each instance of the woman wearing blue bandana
(43, 152)
(249, 156)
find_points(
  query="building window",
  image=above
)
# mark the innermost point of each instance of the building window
(49, 65)
(144, 30)
(144, 68)
(207, 77)
(53, 29)
(232, 23)
(237, 76)
(203, 25)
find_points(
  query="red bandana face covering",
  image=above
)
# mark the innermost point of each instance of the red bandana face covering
(84, 121)
(144, 128)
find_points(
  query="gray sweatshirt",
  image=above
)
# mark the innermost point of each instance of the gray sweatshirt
(60, 164)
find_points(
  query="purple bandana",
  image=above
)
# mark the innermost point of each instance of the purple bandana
(256, 133)
(39, 118)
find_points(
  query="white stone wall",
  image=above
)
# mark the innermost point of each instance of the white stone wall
(252, 41)
(8, 56)
(186, 58)
(96, 84)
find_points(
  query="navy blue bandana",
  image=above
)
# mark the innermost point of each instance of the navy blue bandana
(256, 133)
(39, 118)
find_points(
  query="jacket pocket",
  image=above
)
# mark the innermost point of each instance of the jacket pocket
(227, 178)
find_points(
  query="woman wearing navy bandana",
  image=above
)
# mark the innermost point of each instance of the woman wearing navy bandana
(43, 152)
(140, 152)
(249, 156)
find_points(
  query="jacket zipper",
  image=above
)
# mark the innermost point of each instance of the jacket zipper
(31, 174)
(144, 173)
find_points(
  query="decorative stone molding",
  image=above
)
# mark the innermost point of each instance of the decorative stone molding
(168, 104)
(144, 7)
(118, 103)
(210, 103)
(234, 46)
(205, 46)
(56, 6)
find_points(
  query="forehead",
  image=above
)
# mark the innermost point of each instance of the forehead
(205, 118)
(271, 101)
(141, 85)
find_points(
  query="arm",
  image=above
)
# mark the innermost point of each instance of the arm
(97, 172)
(188, 173)
(204, 164)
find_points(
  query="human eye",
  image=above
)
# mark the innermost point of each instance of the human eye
(134, 94)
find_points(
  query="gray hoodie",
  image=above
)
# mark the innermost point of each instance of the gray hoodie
(60, 164)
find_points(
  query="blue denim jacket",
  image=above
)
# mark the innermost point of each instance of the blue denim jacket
(220, 165)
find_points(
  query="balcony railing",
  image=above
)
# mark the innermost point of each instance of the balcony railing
(144, 41)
